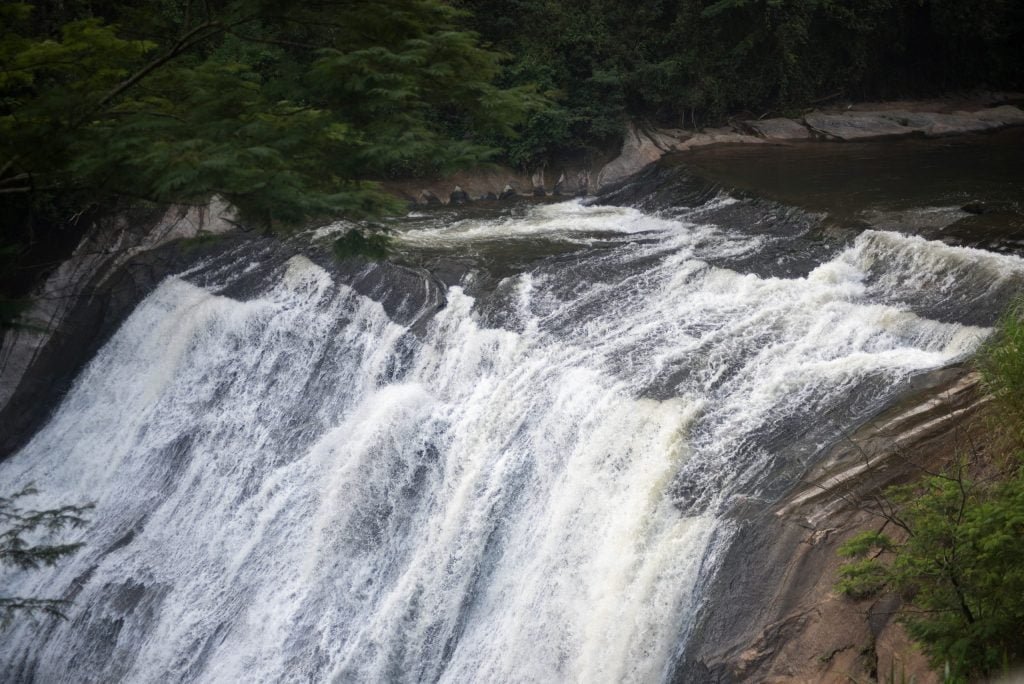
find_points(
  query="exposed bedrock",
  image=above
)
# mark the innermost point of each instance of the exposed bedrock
(776, 614)
(642, 146)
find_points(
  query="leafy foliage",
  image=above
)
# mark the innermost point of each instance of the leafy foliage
(287, 110)
(1002, 367)
(336, 96)
(25, 544)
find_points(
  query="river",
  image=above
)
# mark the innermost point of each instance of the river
(512, 455)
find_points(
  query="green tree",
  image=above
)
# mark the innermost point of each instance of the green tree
(288, 110)
(25, 543)
(960, 569)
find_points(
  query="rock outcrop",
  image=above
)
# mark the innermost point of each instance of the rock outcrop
(639, 150)
(857, 125)
(428, 199)
(72, 287)
(458, 196)
(778, 617)
(778, 129)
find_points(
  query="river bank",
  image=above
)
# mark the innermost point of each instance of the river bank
(644, 145)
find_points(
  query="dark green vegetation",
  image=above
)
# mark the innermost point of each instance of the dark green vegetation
(288, 110)
(25, 537)
(694, 62)
(960, 564)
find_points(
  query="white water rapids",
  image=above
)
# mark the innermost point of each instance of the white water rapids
(295, 487)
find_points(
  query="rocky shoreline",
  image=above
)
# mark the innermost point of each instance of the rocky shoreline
(644, 145)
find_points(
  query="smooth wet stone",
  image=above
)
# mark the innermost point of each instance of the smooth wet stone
(779, 129)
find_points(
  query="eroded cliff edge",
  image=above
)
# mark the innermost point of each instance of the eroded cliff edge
(773, 613)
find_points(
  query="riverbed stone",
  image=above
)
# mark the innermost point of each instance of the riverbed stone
(935, 124)
(779, 129)
(856, 125)
(898, 122)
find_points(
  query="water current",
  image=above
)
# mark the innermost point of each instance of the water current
(518, 473)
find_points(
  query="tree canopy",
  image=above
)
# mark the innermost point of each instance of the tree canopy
(695, 62)
(286, 109)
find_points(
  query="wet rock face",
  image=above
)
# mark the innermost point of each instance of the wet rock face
(638, 151)
(777, 616)
(95, 311)
(105, 248)
(458, 196)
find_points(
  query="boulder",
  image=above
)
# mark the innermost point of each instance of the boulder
(639, 150)
(894, 123)
(429, 199)
(458, 196)
(778, 129)
(507, 192)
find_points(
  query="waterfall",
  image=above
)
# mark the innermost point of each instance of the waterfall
(529, 484)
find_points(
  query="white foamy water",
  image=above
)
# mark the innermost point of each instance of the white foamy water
(297, 488)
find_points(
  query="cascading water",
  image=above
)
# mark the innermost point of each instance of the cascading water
(300, 476)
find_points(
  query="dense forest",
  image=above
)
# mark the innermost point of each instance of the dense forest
(293, 110)
(687, 63)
